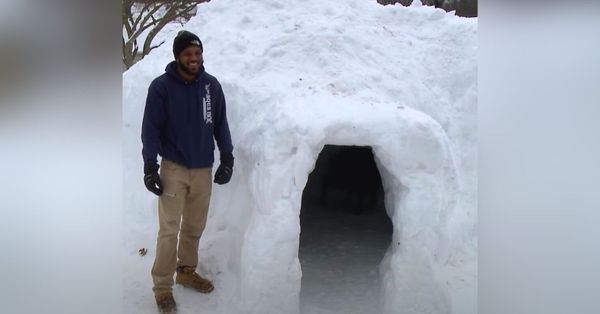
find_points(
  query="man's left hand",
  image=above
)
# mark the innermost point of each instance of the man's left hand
(223, 174)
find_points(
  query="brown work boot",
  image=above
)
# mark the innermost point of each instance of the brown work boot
(166, 303)
(188, 277)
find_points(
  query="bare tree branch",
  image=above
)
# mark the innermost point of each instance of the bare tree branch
(144, 23)
(140, 16)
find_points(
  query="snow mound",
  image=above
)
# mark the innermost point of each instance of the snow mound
(301, 74)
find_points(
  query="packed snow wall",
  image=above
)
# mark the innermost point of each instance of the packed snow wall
(301, 74)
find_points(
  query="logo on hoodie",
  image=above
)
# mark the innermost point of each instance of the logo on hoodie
(206, 106)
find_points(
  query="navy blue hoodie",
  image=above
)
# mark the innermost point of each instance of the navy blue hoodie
(181, 118)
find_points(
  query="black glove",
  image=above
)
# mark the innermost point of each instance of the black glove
(225, 170)
(223, 174)
(152, 179)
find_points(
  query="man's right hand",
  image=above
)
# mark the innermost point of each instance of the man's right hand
(152, 179)
(153, 184)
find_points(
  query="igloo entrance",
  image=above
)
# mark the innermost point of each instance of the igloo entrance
(345, 232)
(418, 176)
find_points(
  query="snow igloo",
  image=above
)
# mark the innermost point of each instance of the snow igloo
(299, 75)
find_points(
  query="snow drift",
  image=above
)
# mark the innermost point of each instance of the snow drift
(301, 74)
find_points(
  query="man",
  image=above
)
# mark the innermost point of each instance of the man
(185, 110)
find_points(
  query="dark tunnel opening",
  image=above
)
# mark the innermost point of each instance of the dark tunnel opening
(345, 232)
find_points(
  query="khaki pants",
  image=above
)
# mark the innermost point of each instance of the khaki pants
(182, 212)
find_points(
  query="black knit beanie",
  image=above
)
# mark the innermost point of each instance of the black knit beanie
(183, 40)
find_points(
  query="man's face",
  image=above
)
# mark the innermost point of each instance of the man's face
(190, 60)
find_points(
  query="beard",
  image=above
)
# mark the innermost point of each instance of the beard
(190, 70)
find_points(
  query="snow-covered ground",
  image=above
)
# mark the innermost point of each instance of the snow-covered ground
(298, 75)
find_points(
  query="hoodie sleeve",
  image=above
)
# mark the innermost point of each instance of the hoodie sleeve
(222, 134)
(153, 124)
